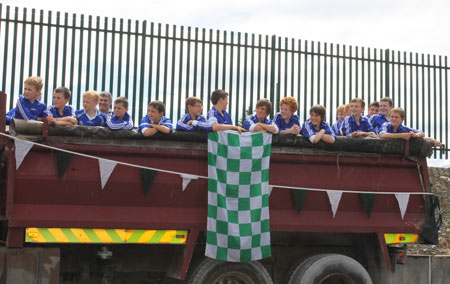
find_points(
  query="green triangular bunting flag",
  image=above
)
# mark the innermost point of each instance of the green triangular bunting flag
(147, 179)
(367, 199)
(62, 160)
(299, 197)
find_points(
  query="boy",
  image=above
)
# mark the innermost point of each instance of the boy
(315, 128)
(259, 121)
(218, 117)
(60, 113)
(193, 119)
(347, 110)
(286, 120)
(155, 121)
(336, 128)
(120, 119)
(28, 106)
(374, 108)
(379, 119)
(89, 115)
(104, 104)
(355, 124)
(395, 129)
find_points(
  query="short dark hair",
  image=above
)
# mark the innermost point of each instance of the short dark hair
(389, 100)
(191, 101)
(63, 90)
(122, 100)
(375, 104)
(266, 103)
(159, 105)
(359, 100)
(320, 110)
(399, 111)
(217, 95)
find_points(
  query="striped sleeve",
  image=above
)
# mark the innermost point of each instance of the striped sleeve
(328, 130)
(307, 131)
(345, 127)
(276, 121)
(119, 124)
(249, 124)
(211, 117)
(22, 111)
(384, 128)
(277, 129)
(182, 125)
(202, 124)
(167, 123)
(144, 125)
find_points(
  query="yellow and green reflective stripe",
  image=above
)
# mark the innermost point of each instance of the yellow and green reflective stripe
(400, 238)
(78, 235)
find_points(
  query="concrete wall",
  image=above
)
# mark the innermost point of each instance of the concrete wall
(418, 270)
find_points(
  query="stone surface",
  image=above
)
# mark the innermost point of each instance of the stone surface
(440, 179)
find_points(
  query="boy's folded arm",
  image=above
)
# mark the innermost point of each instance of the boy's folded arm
(270, 128)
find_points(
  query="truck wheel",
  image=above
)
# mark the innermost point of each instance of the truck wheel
(329, 269)
(213, 271)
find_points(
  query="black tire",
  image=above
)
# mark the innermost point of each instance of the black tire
(329, 269)
(211, 271)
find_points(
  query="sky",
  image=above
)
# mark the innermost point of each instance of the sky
(402, 25)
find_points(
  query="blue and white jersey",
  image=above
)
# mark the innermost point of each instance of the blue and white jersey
(388, 128)
(282, 125)
(377, 120)
(145, 123)
(214, 116)
(84, 119)
(336, 128)
(199, 123)
(53, 111)
(113, 123)
(349, 125)
(10, 115)
(309, 130)
(251, 121)
(28, 110)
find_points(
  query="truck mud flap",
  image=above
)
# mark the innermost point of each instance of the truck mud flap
(433, 221)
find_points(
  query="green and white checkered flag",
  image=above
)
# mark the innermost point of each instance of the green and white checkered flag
(238, 226)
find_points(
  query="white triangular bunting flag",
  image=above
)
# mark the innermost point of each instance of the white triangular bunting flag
(22, 149)
(335, 197)
(270, 189)
(187, 179)
(402, 199)
(106, 168)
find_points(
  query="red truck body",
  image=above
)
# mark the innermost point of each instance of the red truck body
(34, 195)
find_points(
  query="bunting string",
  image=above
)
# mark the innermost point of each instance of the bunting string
(191, 176)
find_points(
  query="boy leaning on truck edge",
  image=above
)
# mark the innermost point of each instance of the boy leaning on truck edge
(218, 119)
(60, 113)
(29, 107)
(155, 121)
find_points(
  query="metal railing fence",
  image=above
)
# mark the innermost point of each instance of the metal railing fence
(146, 61)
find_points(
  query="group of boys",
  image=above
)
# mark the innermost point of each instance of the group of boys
(29, 107)
(381, 121)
